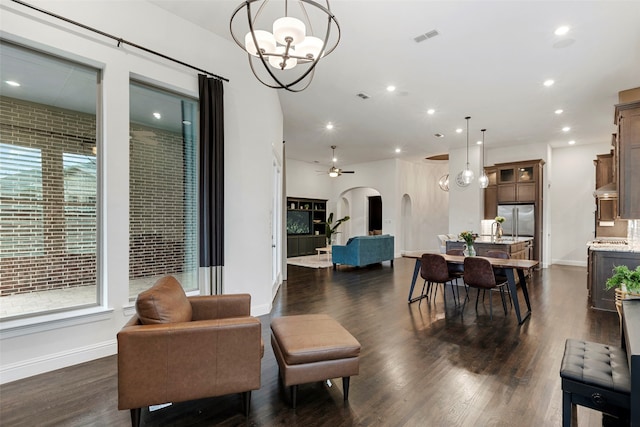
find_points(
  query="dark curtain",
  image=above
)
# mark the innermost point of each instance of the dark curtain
(211, 173)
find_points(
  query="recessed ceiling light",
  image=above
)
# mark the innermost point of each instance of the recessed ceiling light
(186, 122)
(459, 130)
(548, 82)
(391, 88)
(561, 31)
(12, 83)
(479, 142)
(431, 111)
(157, 116)
(566, 129)
(329, 125)
(398, 150)
(559, 111)
(572, 142)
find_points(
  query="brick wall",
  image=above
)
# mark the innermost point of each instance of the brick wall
(43, 260)
(160, 242)
(161, 197)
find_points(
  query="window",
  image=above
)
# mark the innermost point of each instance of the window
(48, 183)
(162, 188)
(80, 203)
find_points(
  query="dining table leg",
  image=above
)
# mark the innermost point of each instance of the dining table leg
(523, 285)
(416, 270)
(511, 280)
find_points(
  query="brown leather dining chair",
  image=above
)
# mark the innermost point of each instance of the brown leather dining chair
(457, 270)
(434, 270)
(500, 273)
(478, 273)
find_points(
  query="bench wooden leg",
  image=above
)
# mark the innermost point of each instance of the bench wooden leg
(345, 387)
(569, 410)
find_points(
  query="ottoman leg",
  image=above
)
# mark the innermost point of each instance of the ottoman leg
(294, 393)
(246, 402)
(345, 387)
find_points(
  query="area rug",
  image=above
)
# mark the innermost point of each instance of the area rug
(311, 261)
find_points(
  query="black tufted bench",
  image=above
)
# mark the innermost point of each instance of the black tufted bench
(596, 376)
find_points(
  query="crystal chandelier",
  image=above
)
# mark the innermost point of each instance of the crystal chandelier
(274, 54)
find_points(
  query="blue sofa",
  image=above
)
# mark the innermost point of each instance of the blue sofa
(364, 250)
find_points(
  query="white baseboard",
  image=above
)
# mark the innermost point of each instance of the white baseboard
(573, 263)
(260, 310)
(51, 362)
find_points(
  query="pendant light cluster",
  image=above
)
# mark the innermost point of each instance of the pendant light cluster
(466, 176)
(290, 44)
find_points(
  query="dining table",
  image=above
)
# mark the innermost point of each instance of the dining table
(521, 266)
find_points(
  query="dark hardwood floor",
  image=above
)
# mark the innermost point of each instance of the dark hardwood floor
(420, 366)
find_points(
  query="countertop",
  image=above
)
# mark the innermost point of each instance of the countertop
(503, 241)
(610, 247)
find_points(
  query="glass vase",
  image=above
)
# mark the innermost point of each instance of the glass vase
(469, 250)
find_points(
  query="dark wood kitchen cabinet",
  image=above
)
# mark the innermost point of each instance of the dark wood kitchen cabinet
(627, 118)
(517, 182)
(600, 268)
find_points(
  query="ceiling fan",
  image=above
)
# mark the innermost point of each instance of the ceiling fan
(333, 170)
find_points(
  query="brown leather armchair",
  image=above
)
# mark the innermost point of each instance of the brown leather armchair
(178, 348)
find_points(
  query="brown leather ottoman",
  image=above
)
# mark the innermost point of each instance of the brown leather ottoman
(313, 347)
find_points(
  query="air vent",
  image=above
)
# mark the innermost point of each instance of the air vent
(425, 36)
(363, 95)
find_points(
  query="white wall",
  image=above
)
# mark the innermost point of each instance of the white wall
(429, 205)
(465, 203)
(392, 180)
(573, 206)
(28, 347)
(308, 180)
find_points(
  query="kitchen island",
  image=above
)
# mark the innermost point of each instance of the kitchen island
(516, 247)
(603, 255)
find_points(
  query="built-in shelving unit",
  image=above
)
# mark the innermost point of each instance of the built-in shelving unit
(306, 222)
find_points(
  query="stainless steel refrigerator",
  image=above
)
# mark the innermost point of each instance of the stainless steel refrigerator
(519, 220)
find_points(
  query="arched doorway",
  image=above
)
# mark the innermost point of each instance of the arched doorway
(355, 202)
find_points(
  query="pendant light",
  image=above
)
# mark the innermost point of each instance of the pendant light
(443, 182)
(290, 44)
(465, 177)
(483, 180)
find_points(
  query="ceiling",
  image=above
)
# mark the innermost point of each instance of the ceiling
(489, 62)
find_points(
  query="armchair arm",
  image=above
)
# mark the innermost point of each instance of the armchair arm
(220, 306)
(183, 361)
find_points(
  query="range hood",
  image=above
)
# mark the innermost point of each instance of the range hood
(607, 191)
